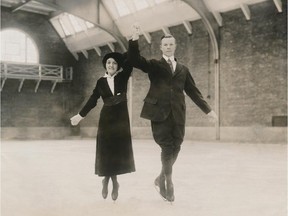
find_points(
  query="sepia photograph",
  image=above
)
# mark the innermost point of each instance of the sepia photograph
(143, 108)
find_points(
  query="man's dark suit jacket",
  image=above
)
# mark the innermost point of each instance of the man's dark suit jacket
(166, 93)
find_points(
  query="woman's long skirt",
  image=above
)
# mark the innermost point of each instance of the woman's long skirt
(114, 153)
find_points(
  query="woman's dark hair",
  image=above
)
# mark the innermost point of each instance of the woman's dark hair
(118, 57)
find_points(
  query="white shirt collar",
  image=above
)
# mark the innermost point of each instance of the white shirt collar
(172, 58)
(110, 81)
(107, 75)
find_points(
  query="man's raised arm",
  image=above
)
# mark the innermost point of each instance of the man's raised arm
(134, 53)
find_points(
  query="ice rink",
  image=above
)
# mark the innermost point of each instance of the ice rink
(56, 178)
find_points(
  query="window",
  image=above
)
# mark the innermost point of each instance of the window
(89, 24)
(160, 1)
(76, 23)
(71, 25)
(64, 27)
(141, 4)
(127, 7)
(16, 46)
(122, 8)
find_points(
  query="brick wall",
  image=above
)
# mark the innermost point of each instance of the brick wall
(253, 66)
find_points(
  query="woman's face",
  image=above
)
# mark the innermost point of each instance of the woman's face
(111, 66)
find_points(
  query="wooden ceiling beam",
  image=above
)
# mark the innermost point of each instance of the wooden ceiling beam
(50, 4)
(98, 50)
(165, 30)
(147, 37)
(246, 11)
(75, 55)
(278, 4)
(188, 27)
(20, 5)
(85, 53)
(111, 46)
(218, 17)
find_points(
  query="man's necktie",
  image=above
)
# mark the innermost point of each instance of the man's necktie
(170, 64)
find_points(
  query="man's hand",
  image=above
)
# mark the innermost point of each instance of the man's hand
(135, 31)
(76, 119)
(212, 116)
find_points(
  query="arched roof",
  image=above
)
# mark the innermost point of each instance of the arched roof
(90, 24)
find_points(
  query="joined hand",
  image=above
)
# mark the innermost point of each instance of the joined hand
(135, 31)
(76, 119)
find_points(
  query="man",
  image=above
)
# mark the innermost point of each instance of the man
(165, 105)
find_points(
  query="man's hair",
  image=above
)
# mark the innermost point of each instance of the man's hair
(167, 36)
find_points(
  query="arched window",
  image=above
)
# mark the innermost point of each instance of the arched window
(16, 46)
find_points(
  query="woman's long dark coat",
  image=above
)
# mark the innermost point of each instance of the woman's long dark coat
(114, 153)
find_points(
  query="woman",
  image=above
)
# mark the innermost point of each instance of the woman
(114, 154)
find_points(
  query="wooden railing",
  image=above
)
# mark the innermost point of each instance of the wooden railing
(36, 72)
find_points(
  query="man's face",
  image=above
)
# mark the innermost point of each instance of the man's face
(168, 46)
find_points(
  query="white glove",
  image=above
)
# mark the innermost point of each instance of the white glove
(76, 119)
(213, 116)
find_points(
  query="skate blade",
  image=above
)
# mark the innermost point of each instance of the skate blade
(158, 191)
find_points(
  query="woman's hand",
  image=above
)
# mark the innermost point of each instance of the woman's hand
(76, 119)
(212, 116)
